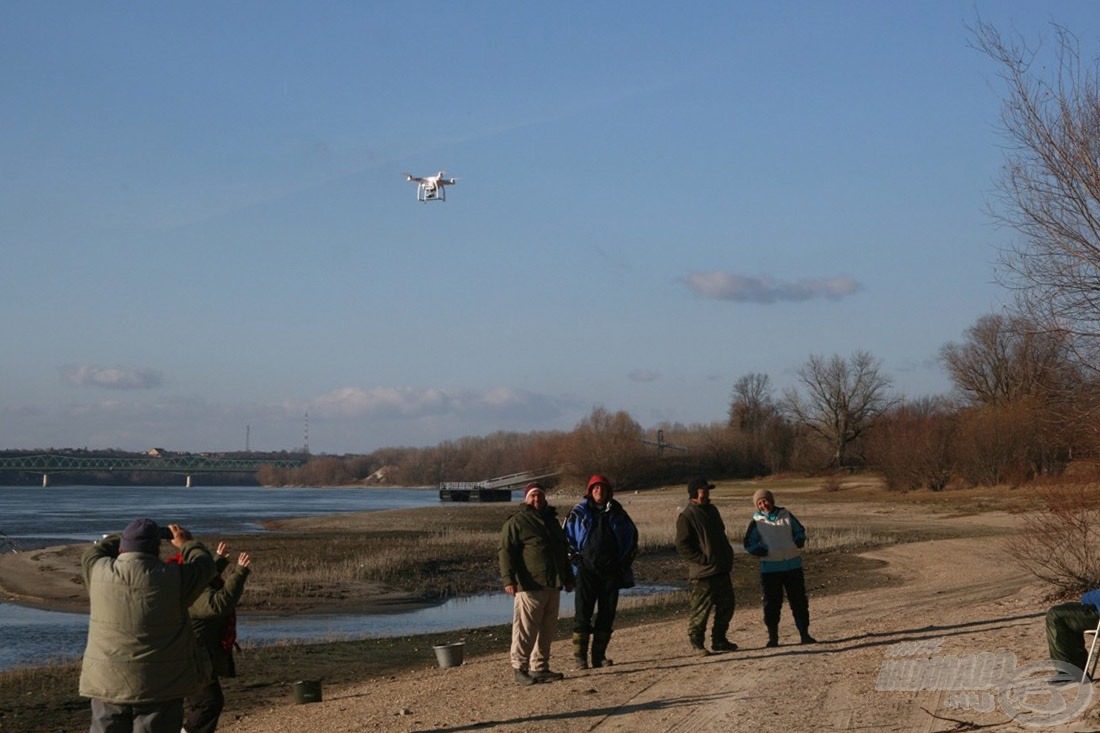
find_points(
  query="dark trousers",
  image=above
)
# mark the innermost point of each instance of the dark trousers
(202, 710)
(793, 583)
(156, 717)
(714, 593)
(1066, 627)
(596, 601)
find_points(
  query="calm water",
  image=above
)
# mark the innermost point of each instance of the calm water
(37, 517)
(41, 517)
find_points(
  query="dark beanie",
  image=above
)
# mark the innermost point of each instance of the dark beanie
(141, 535)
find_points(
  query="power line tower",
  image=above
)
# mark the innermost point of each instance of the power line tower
(307, 433)
(662, 445)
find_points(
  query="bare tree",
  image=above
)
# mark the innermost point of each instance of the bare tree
(843, 397)
(751, 404)
(1049, 191)
(1005, 359)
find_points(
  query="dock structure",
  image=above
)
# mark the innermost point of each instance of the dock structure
(493, 489)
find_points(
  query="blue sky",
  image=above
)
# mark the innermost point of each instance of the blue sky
(204, 223)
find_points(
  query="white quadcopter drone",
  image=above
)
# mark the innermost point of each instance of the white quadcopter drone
(431, 188)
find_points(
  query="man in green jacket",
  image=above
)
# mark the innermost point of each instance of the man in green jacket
(141, 659)
(701, 540)
(534, 565)
(213, 619)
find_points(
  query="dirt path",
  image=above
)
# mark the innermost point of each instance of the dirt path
(959, 599)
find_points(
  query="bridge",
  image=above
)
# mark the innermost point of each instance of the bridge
(185, 465)
(493, 489)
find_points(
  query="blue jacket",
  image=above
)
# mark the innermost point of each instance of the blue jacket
(609, 553)
(777, 539)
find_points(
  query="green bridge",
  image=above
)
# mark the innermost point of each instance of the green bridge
(184, 465)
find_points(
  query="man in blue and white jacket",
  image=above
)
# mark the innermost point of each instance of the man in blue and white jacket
(777, 538)
(603, 542)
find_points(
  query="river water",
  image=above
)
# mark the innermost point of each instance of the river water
(42, 517)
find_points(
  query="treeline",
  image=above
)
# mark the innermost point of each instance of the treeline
(1023, 406)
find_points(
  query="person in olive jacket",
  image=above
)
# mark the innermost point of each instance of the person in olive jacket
(213, 619)
(534, 566)
(141, 659)
(701, 540)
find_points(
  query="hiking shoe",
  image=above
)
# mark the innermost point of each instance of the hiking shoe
(807, 639)
(773, 641)
(723, 645)
(605, 662)
(698, 649)
(545, 675)
(522, 678)
(580, 663)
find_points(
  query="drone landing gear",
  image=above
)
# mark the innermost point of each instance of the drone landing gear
(424, 194)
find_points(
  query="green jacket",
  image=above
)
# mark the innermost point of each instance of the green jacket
(140, 645)
(533, 553)
(210, 613)
(701, 540)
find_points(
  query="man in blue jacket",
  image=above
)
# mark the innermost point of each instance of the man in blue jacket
(1066, 627)
(777, 538)
(602, 544)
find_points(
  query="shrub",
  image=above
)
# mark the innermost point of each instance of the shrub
(1060, 539)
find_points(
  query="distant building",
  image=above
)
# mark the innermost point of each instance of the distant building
(157, 453)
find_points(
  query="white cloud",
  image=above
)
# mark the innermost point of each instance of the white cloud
(719, 285)
(346, 420)
(116, 377)
(412, 403)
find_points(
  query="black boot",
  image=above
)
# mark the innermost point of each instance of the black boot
(723, 645)
(600, 640)
(804, 634)
(773, 636)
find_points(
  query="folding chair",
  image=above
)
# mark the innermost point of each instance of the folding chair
(1091, 661)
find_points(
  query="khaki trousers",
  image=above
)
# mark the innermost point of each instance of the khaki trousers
(534, 621)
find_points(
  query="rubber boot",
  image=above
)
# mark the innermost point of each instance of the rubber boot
(580, 650)
(804, 633)
(773, 636)
(599, 649)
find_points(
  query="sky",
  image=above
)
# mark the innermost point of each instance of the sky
(206, 234)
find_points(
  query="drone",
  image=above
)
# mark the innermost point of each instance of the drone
(431, 188)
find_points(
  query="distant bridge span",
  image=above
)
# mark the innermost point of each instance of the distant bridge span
(186, 465)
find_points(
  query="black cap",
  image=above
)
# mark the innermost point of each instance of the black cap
(698, 483)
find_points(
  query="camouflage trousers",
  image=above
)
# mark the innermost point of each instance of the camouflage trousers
(713, 593)
(1066, 627)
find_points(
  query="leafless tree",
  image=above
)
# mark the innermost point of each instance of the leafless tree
(1004, 359)
(1049, 191)
(751, 404)
(842, 399)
